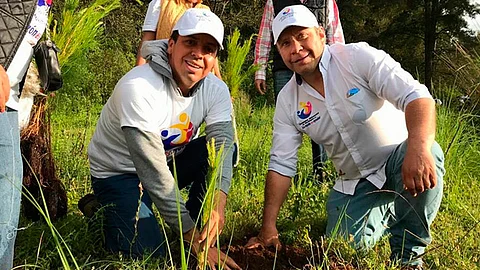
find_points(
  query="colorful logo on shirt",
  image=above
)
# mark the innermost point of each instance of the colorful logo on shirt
(352, 92)
(42, 3)
(178, 134)
(305, 110)
(286, 11)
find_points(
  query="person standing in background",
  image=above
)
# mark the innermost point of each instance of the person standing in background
(25, 21)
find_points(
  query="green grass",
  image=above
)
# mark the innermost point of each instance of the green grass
(302, 219)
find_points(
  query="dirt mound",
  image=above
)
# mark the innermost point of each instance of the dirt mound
(288, 257)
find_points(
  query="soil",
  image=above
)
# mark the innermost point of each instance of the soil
(288, 257)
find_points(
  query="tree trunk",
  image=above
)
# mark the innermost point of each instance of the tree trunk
(431, 7)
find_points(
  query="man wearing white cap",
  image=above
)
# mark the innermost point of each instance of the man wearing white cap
(146, 132)
(377, 125)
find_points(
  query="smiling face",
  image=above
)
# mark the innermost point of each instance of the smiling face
(191, 58)
(301, 48)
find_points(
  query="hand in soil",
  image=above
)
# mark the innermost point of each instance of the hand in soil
(265, 239)
(215, 223)
(224, 261)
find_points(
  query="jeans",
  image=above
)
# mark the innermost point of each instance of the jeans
(280, 78)
(319, 156)
(130, 225)
(11, 171)
(370, 213)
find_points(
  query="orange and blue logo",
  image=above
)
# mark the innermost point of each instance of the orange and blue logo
(286, 11)
(42, 3)
(178, 134)
(305, 110)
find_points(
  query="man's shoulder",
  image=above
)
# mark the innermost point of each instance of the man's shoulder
(212, 82)
(141, 78)
(342, 47)
(352, 52)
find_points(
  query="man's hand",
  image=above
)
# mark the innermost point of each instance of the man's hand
(418, 169)
(224, 261)
(214, 256)
(216, 221)
(4, 89)
(266, 238)
(261, 86)
(276, 190)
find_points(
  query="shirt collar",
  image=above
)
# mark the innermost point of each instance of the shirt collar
(323, 63)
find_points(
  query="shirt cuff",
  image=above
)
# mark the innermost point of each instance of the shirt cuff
(260, 75)
(421, 93)
(288, 172)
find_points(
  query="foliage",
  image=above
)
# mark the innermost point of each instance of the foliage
(233, 73)
(244, 15)
(78, 30)
(398, 27)
(465, 64)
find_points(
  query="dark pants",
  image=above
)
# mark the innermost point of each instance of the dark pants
(130, 225)
(319, 156)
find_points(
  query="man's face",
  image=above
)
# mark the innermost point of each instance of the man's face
(301, 48)
(191, 58)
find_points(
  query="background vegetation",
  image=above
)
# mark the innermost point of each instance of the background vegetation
(398, 27)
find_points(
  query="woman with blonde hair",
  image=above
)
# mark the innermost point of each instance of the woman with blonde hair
(161, 17)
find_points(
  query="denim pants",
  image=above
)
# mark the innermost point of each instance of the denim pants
(319, 156)
(131, 227)
(11, 171)
(370, 213)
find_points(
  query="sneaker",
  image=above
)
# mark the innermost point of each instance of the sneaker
(88, 205)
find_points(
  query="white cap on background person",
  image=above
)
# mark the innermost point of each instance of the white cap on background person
(297, 15)
(200, 21)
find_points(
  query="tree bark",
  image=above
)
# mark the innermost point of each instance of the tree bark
(431, 13)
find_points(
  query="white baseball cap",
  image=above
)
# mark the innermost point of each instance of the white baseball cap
(297, 15)
(200, 21)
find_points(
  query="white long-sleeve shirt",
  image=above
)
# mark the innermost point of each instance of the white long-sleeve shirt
(360, 120)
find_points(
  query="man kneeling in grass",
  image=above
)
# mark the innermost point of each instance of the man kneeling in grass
(146, 132)
(377, 125)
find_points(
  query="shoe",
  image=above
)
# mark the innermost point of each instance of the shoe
(89, 205)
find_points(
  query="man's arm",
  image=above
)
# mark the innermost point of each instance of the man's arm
(418, 170)
(147, 35)
(262, 46)
(276, 191)
(4, 89)
(334, 31)
(147, 152)
(148, 155)
(149, 27)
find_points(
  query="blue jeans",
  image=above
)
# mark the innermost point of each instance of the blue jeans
(319, 156)
(131, 227)
(11, 171)
(280, 78)
(370, 213)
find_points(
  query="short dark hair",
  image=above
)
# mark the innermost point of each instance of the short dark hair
(175, 35)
